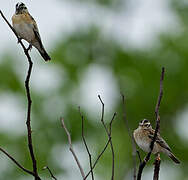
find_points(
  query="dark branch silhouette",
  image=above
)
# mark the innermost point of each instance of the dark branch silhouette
(139, 157)
(16, 162)
(160, 93)
(28, 122)
(134, 151)
(146, 159)
(108, 132)
(92, 165)
(71, 148)
(156, 167)
(107, 143)
(98, 158)
(51, 174)
(86, 146)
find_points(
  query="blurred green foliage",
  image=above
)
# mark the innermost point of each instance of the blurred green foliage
(137, 74)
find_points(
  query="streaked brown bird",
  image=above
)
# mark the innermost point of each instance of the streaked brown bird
(26, 28)
(143, 136)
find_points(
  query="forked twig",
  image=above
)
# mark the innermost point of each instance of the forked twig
(98, 158)
(106, 145)
(71, 148)
(108, 132)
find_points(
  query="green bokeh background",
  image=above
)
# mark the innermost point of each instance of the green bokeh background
(137, 74)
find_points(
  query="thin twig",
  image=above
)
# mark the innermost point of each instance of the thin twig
(108, 132)
(131, 137)
(112, 148)
(146, 159)
(98, 158)
(51, 174)
(104, 149)
(157, 167)
(86, 146)
(28, 122)
(157, 160)
(139, 157)
(71, 148)
(16, 162)
(160, 93)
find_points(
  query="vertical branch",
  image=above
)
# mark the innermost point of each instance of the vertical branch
(108, 132)
(157, 167)
(71, 148)
(146, 159)
(28, 122)
(131, 137)
(160, 93)
(86, 146)
(112, 147)
(158, 160)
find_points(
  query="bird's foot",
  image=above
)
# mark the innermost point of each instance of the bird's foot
(158, 157)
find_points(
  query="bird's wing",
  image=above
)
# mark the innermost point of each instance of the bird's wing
(159, 140)
(36, 32)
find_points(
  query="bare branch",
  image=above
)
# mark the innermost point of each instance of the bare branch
(106, 145)
(108, 132)
(139, 157)
(98, 158)
(146, 159)
(16, 162)
(28, 122)
(111, 145)
(71, 148)
(51, 174)
(85, 143)
(131, 137)
(157, 167)
(160, 93)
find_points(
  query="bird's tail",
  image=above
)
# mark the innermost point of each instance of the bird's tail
(173, 158)
(44, 54)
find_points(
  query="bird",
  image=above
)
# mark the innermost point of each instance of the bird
(143, 136)
(26, 28)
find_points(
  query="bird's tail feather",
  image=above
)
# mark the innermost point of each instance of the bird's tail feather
(45, 55)
(174, 158)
